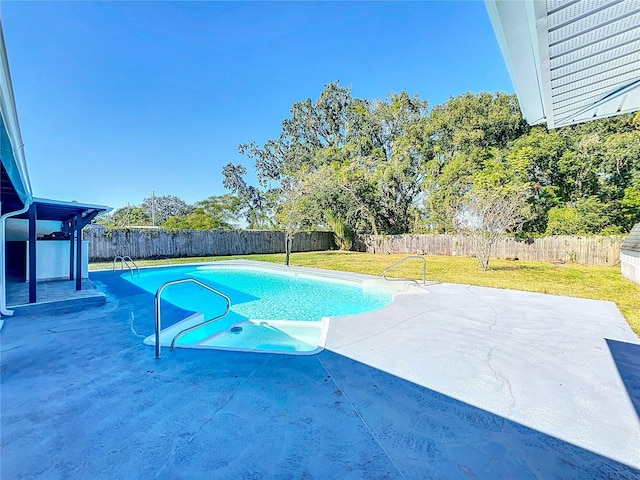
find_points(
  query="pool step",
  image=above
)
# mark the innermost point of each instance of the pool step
(167, 334)
(268, 336)
(272, 336)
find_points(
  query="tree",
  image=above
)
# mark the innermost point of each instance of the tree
(290, 217)
(375, 151)
(294, 211)
(125, 217)
(223, 210)
(475, 121)
(199, 219)
(589, 215)
(488, 215)
(464, 133)
(563, 221)
(392, 153)
(161, 208)
(391, 166)
(342, 232)
(630, 207)
(251, 202)
(312, 126)
(541, 151)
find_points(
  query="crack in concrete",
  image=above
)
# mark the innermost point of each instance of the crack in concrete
(495, 317)
(12, 348)
(231, 397)
(52, 330)
(132, 319)
(361, 418)
(496, 374)
(502, 379)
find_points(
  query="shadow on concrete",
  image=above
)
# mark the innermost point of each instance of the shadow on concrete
(107, 409)
(141, 300)
(431, 435)
(627, 359)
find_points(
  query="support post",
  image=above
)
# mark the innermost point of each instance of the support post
(32, 253)
(71, 229)
(78, 229)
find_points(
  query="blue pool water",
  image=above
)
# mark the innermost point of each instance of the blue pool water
(266, 304)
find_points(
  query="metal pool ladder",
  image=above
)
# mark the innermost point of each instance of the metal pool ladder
(193, 327)
(424, 267)
(125, 261)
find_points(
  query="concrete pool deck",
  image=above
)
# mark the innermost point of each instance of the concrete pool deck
(449, 381)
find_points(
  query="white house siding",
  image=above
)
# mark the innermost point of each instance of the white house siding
(630, 255)
(630, 265)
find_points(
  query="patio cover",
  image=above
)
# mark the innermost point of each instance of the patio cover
(570, 61)
(74, 217)
(66, 211)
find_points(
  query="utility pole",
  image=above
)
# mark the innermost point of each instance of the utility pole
(153, 208)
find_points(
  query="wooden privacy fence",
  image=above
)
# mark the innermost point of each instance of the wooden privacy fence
(160, 243)
(584, 250)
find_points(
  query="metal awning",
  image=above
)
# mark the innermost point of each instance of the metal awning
(65, 211)
(570, 61)
(73, 217)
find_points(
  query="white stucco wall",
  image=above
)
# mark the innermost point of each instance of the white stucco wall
(52, 260)
(630, 265)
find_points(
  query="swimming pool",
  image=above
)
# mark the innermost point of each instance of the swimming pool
(273, 309)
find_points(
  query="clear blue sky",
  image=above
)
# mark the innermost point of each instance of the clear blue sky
(119, 99)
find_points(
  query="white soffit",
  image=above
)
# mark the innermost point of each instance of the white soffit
(570, 61)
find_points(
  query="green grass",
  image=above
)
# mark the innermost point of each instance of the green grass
(600, 283)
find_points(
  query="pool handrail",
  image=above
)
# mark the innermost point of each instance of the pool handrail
(125, 259)
(158, 322)
(424, 267)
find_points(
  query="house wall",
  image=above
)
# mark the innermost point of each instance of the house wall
(630, 265)
(52, 260)
(630, 255)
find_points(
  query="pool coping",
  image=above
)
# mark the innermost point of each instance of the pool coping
(398, 285)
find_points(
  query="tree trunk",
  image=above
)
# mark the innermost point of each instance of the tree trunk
(288, 243)
(374, 227)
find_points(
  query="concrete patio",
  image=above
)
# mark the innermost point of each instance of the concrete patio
(449, 381)
(55, 295)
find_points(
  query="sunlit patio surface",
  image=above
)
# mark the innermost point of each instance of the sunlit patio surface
(449, 381)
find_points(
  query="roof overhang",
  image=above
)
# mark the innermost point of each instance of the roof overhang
(64, 211)
(15, 178)
(570, 61)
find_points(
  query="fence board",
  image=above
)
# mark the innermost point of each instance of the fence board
(592, 250)
(159, 243)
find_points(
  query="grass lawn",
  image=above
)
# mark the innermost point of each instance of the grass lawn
(600, 283)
